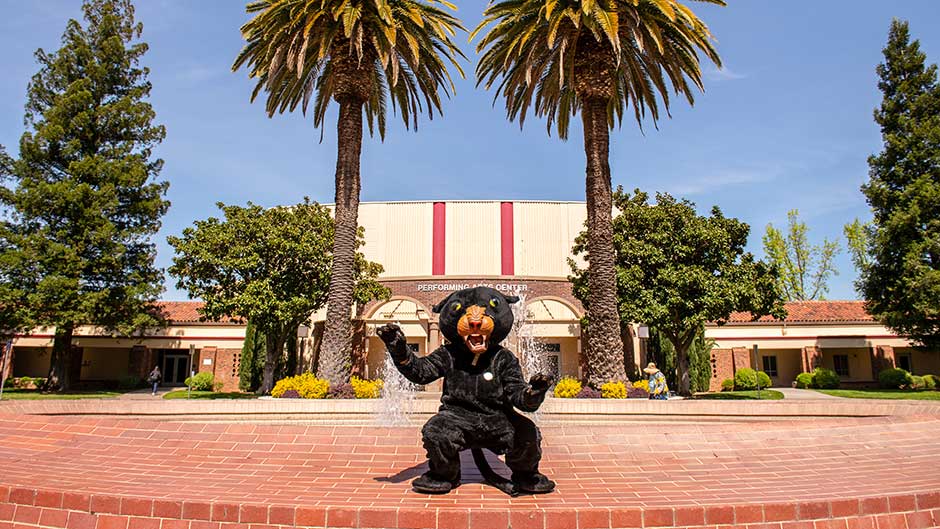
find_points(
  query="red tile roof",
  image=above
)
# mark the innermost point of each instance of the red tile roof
(814, 312)
(188, 312)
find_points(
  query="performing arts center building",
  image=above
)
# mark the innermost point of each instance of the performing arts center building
(429, 249)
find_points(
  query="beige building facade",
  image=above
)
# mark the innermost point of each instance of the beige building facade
(430, 249)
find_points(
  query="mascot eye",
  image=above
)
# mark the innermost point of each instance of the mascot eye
(494, 303)
(455, 306)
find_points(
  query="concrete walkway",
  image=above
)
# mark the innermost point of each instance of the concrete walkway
(804, 394)
(146, 393)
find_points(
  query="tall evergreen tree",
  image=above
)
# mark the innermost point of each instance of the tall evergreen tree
(85, 200)
(902, 281)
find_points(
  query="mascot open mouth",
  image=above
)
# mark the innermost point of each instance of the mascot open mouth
(475, 327)
(476, 343)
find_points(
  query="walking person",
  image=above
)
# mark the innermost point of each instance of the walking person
(155, 378)
(657, 382)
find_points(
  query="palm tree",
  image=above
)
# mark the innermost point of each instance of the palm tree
(597, 57)
(360, 53)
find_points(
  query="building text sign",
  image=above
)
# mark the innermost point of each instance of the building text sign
(452, 287)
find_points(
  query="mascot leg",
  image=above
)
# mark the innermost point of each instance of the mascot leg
(524, 456)
(443, 436)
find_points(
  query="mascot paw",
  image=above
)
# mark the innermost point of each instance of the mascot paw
(390, 334)
(540, 383)
(533, 483)
(428, 484)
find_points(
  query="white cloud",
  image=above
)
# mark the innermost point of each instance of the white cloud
(721, 179)
(198, 74)
(723, 74)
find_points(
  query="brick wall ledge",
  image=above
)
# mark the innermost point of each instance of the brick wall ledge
(70, 472)
(552, 408)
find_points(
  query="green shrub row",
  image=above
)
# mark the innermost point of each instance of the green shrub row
(895, 378)
(746, 379)
(820, 378)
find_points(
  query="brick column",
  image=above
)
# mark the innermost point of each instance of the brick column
(812, 358)
(741, 357)
(6, 355)
(141, 361)
(206, 353)
(882, 358)
(226, 368)
(722, 366)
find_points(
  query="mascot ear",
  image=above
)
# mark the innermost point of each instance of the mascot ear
(512, 299)
(436, 309)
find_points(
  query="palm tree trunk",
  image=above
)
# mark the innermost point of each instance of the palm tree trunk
(604, 347)
(59, 378)
(335, 361)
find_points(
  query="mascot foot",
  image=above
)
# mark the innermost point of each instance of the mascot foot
(533, 483)
(428, 484)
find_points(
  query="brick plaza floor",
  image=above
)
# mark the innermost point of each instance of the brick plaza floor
(111, 473)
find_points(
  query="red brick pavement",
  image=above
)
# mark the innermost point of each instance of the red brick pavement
(105, 473)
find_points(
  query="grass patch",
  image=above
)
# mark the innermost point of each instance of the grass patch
(35, 394)
(765, 394)
(210, 395)
(893, 394)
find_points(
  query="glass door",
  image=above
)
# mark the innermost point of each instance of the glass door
(174, 369)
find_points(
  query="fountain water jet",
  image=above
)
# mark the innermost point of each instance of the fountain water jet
(398, 397)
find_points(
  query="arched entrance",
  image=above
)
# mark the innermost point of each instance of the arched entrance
(556, 326)
(410, 315)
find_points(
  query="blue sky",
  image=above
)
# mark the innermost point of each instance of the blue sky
(786, 124)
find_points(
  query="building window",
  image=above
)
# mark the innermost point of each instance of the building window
(904, 362)
(841, 364)
(770, 365)
(551, 347)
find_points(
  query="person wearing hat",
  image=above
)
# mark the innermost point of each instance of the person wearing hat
(658, 388)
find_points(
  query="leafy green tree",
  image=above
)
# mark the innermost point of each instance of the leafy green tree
(360, 53)
(902, 282)
(596, 57)
(85, 200)
(270, 267)
(805, 269)
(677, 270)
(857, 237)
(661, 351)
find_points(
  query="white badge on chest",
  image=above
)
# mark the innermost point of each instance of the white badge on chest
(487, 376)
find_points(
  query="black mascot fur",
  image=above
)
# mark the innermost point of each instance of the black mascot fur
(482, 384)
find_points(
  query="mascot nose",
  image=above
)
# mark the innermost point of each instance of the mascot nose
(475, 326)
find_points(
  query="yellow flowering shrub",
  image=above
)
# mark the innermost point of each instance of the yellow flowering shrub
(306, 385)
(643, 384)
(567, 388)
(366, 389)
(614, 390)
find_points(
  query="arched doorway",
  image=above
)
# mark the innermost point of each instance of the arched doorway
(413, 319)
(556, 326)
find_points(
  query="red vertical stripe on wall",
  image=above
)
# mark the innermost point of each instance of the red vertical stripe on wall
(506, 239)
(439, 239)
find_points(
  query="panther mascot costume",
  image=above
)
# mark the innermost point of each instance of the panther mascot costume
(482, 384)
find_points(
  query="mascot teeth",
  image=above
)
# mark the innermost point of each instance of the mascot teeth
(476, 342)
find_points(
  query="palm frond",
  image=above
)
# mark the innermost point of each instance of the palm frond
(303, 51)
(534, 53)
